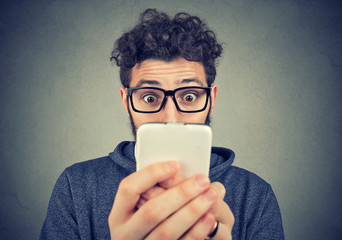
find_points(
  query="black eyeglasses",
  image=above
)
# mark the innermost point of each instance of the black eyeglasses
(152, 99)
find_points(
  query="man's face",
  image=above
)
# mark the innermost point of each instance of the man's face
(169, 76)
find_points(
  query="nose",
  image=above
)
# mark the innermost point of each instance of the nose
(169, 112)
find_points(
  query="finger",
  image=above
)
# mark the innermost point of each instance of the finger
(157, 209)
(182, 220)
(157, 190)
(202, 228)
(172, 182)
(137, 183)
(224, 215)
(220, 209)
(223, 232)
(153, 192)
(141, 202)
(162, 186)
(222, 212)
(219, 188)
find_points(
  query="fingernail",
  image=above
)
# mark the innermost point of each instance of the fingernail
(202, 181)
(210, 195)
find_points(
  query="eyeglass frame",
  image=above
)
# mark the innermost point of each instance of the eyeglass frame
(172, 94)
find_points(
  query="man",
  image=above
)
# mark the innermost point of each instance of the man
(106, 198)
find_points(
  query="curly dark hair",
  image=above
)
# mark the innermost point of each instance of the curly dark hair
(157, 36)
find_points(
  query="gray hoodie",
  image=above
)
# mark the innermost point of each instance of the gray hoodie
(84, 194)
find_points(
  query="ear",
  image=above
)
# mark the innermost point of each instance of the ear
(213, 97)
(123, 94)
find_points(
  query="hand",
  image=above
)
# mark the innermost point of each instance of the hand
(220, 209)
(180, 211)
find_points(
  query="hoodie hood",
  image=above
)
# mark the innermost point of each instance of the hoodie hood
(220, 162)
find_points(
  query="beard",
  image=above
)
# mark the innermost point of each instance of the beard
(134, 128)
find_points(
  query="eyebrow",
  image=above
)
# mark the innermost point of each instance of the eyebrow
(148, 82)
(192, 80)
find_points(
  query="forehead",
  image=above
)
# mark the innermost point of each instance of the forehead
(168, 74)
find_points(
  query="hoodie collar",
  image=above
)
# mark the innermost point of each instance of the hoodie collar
(220, 162)
(123, 155)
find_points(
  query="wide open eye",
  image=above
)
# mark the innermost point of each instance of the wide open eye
(149, 98)
(189, 97)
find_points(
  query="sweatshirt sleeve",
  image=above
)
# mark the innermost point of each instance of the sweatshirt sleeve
(267, 223)
(60, 222)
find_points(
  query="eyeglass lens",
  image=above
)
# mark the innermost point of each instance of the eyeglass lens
(189, 99)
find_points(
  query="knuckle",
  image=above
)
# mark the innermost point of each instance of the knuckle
(157, 169)
(219, 188)
(184, 191)
(125, 187)
(153, 169)
(195, 208)
(110, 219)
(121, 235)
(165, 234)
(150, 214)
(232, 219)
(194, 235)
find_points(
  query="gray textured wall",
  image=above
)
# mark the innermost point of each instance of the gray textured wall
(279, 103)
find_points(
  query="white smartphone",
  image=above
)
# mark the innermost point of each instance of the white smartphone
(190, 144)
